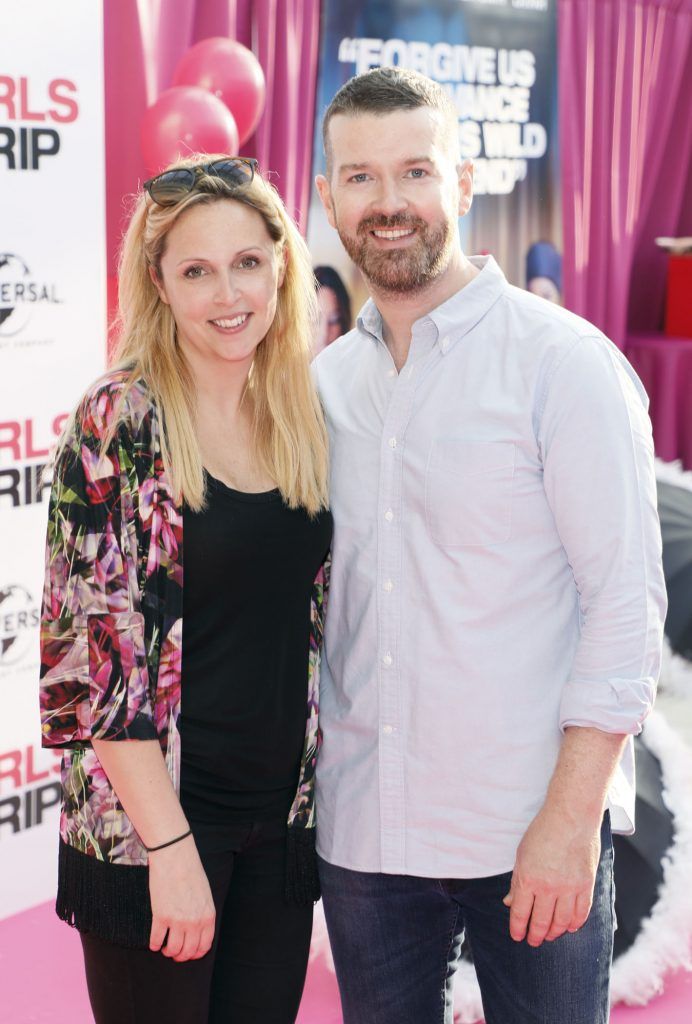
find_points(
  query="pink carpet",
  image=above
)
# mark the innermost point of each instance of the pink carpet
(40, 958)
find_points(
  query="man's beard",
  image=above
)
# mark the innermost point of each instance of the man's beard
(407, 269)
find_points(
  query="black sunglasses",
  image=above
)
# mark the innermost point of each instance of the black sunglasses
(169, 188)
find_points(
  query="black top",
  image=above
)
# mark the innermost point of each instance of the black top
(249, 567)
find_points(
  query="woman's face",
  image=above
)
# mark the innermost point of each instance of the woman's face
(329, 324)
(220, 274)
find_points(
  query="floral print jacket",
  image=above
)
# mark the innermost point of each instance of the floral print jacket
(111, 624)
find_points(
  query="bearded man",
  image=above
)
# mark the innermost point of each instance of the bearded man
(496, 606)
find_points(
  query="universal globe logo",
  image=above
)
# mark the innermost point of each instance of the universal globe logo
(20, 293)
(19, 617)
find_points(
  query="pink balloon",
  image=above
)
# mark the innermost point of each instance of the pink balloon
(185, 120)
(230, 71)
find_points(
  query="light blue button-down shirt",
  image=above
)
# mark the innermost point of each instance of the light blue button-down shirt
(496, 576)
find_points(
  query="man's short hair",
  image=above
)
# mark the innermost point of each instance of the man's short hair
(384, 90)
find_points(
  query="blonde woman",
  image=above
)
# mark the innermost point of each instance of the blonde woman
(182, 618)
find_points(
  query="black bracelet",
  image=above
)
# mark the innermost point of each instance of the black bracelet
(152, 849)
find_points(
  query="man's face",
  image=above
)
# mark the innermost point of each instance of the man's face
(394, 195)
(545, 287)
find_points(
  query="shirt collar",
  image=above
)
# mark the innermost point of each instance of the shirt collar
(457, 315)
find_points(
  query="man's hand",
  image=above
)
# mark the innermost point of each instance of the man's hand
(553, 878)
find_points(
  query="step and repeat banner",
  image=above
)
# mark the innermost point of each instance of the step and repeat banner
(52, 344)
(497, 60)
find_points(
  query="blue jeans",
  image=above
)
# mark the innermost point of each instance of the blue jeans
(396, 941)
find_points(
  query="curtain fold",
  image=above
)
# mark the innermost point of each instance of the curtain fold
(625, 79)
(145, 39)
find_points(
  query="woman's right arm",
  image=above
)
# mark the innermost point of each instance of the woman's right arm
(181, 900)
(94, 674)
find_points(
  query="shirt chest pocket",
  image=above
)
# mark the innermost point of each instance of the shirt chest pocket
(468, 492)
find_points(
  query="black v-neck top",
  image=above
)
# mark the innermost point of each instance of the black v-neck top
(249, 567)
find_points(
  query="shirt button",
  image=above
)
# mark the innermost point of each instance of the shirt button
(388, 586)
(444, 344)
(387, 730)
(389, 515)
(387, 659)
(392, 442)
(391, 373)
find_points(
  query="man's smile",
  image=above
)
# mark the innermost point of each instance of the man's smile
(392, 234)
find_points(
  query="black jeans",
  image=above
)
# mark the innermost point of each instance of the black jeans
(255, 970)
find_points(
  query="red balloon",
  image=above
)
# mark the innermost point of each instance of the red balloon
(230, 71)
(185, 120)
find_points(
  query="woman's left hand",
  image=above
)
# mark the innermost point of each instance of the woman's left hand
(183, 914)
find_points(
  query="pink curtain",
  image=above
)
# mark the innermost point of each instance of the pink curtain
(625, 80)
(145, 39)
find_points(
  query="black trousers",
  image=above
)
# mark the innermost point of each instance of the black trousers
(255, 971)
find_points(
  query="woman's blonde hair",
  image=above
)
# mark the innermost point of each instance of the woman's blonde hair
(290, 441)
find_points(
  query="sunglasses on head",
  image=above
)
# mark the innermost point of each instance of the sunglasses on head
(169, 188)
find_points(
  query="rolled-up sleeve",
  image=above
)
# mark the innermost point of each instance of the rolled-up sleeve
(94, 676)
(597, 450)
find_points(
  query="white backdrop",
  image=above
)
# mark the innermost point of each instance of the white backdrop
(52, 344)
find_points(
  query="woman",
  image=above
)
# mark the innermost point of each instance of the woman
(334, 307)
(186, 702)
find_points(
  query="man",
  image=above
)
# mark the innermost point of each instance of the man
(544, 271)
(496, 602)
